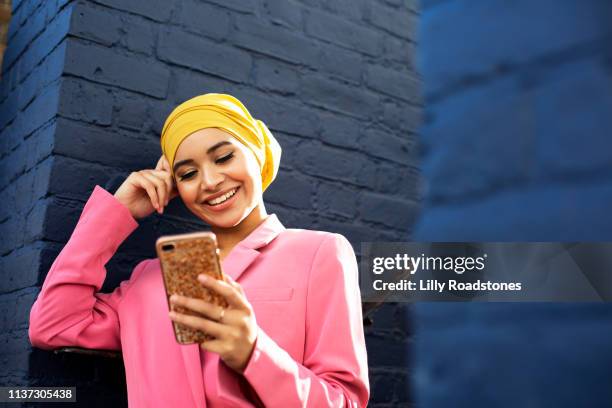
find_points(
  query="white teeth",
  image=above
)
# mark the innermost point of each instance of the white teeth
(221, 199)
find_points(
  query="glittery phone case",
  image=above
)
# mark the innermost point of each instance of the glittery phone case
(183, 257)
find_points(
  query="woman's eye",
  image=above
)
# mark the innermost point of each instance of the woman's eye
(224, 158)
(187, 175)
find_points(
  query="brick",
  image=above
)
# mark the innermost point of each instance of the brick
(287, 13)
(578, 93)
(399, 115)
(328, 27)
(275, 75)
(62, 217)
(352, 9)
(62, 181)
(186, 84)
(24, 190)
(35, 222)
(289, 145)
(92, 144)
(107, 66)
(244, 6)
(48, 71)
(14, 227)
(339, 130)
(97, 24)
(382, 352)
(31, 29)
(42, 109)
(398, 84)
(84, 101)
(38, 49)
(7, 190)
(282, 114)
(291, 190)
(292, 218)
(274, 41)
(140, 36)
(383, 385)
(400, 51)
(335, 164)
(14, 164)
(131, 111)
(9, 109)
(340, 63)
(202, 18)
(387, 145)
(393, 212)
(158, 10)
(20, 268)
(399, 22)
(334, 198)
(399, 181)
(203, 55)
(338, 97)
(356, 233)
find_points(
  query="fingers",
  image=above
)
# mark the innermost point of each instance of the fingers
(161, 183)
(233, 283)
(232, 295)
(162, 164)
(148, 185)
(211, 311)
(207, 326)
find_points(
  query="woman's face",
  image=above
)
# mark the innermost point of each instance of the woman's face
(217, 177)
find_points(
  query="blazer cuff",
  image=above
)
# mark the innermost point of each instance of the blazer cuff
(105, 217)
(265, 359)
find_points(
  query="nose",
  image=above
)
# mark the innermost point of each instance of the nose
(211, 178)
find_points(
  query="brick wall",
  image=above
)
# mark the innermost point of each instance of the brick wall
(516, 147)
(334, 81)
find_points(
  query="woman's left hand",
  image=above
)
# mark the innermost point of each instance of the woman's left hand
(234, 327)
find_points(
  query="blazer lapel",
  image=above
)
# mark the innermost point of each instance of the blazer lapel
(246, 251)
(237, 261)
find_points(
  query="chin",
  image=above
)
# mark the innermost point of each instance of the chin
(228, 220)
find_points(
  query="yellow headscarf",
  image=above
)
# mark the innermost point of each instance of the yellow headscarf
(227, 113)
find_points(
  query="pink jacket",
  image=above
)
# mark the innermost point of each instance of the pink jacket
(302, 284)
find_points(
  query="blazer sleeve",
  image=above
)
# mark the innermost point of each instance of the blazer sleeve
(334, 372)
(68, 310)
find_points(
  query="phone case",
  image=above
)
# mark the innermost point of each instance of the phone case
(183, 257)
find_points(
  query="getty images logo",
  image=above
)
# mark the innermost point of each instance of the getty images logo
(459, 264)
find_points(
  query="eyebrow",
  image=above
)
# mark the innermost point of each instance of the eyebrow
(209, 151)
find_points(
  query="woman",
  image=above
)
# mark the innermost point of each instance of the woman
(292, 333)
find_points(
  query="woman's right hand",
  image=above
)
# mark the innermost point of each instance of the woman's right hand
(148, 190)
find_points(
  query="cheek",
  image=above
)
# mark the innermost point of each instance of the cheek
(187, 191)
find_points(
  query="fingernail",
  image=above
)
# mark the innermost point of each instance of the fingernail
(173, 298)
(202, 278)
(172, 314)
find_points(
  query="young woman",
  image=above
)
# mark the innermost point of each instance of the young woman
(292, 334)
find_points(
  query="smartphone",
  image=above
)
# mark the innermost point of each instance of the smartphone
(183, 257)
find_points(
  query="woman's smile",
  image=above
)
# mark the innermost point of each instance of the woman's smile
(223, 201)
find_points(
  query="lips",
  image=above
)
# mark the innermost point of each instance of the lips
(219, 196)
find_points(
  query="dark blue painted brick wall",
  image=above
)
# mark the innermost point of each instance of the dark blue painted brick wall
(516, 147)
(335, 82)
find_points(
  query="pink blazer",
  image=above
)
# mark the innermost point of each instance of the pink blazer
(302, 284)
